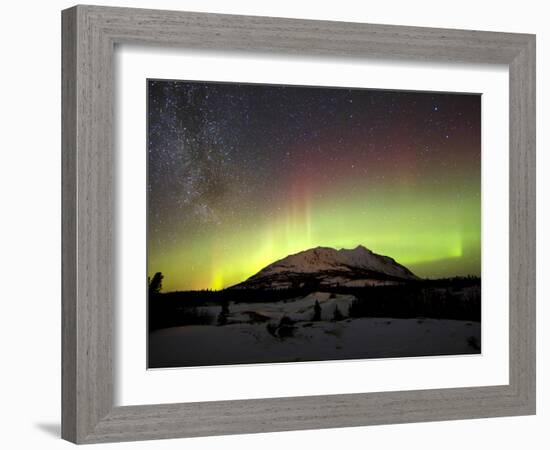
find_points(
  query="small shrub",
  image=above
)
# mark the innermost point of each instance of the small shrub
(222, 319)
(474, 343)
(272, 329)
(286, 331)
(286, 321)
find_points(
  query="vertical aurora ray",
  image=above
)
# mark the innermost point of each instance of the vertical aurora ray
(243, 175)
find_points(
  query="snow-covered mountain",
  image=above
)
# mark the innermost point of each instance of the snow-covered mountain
(325, 266)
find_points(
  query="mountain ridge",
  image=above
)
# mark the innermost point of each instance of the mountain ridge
(327, 266)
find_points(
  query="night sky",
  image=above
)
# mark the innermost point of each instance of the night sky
(240, 175)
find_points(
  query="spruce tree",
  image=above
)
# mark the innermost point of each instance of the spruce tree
(222, 316)
(316, 311)
(337, 314)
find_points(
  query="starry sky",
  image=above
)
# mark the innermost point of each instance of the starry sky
(240, 175)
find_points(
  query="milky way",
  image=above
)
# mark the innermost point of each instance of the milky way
(240, 175)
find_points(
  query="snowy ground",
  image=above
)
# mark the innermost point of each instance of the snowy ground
(252, 336)
(296, 309)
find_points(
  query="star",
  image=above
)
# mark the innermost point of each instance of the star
(236, 168)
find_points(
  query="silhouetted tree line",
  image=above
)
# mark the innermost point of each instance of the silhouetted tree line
(447, 298)
(441, 302)
(164, 312)
(210, 297)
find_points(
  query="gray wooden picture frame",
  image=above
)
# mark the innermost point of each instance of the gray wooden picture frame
(89, 37)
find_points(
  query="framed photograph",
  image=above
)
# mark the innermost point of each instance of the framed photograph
(267, 222)
(263, 200)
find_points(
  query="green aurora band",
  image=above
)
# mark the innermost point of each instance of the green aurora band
(421, 208)
(435, 232)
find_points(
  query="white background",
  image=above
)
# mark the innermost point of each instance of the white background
(135, 386)
(30, 225)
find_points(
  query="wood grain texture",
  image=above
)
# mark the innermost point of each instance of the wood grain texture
(89, 36)
(68, 225)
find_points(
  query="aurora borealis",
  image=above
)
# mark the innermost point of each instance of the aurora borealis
(240, 175)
